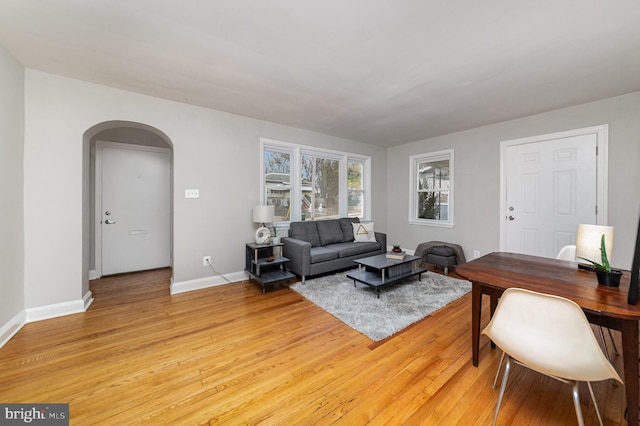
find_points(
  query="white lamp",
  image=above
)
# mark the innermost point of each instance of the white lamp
(588, 242)
(262, 215)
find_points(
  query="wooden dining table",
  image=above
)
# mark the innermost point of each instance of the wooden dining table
(492, 274)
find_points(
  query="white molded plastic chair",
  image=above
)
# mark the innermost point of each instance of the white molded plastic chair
(567, 253)
(550, 335)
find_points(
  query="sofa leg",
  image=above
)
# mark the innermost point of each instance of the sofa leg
(446, 270)
(303, 280)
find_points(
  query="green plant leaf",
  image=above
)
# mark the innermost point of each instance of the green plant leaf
(603, 251)
(596, 264)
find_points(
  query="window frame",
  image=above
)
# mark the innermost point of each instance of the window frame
(296, 151)
(414, 160)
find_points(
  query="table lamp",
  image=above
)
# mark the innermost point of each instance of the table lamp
(588, 243)
(262, 215)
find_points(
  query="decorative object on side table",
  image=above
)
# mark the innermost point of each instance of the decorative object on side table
(606, 276)
(396, 253)
(262, 215)
(275, 239)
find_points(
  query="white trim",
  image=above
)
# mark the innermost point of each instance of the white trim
(59, 309)
(602, 171)
(201, 283)
(12, 327)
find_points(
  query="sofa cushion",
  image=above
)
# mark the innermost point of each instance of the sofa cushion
(322, 254)
(353, 249)
(364, 232)
(305, 231)
(347, 227)
(329, 231)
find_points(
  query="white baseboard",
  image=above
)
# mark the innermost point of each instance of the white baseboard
(93, 275)
(200, 283)
(59, 309)
(14, 325)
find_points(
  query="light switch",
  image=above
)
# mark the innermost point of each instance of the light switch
(191, 193)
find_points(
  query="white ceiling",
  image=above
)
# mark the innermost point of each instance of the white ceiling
(379, 71)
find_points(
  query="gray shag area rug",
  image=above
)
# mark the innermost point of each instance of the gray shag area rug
(399, 305)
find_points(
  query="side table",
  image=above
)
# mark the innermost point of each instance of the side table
(266, 265)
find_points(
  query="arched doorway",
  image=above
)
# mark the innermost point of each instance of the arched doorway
(140, 136)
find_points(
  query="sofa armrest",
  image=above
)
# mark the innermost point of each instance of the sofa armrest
(381, 237)
(299, 254)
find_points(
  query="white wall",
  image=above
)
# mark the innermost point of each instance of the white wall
(11, 188)
(477, 176)
(213, 151)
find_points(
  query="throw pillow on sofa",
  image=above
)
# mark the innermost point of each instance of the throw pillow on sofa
(364, 233)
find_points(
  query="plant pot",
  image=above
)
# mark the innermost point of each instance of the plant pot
(275, 240)
(609, 279)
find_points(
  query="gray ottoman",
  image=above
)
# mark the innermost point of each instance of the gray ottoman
(442, 256)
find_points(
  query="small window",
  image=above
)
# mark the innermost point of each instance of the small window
(432, 189)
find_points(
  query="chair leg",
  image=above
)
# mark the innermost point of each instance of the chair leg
(604, 342)
(576, 402)
(595, 404)
(613, 342)
(498, 372)
(505, 376)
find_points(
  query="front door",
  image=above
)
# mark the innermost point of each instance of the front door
(550, 186)
(135, 208)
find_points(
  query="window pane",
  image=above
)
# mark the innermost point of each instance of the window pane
(320, 187)
(355, 189)
(278, 183)
(355, 203)
(433, 175)
(433, 205)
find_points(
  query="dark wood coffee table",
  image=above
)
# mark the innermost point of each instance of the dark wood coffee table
(378, 271)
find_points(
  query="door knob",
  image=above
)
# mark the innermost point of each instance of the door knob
(109, 222)
(510, 218)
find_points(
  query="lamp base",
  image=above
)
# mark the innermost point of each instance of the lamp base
(262, 235)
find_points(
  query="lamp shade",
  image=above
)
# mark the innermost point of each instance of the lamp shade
(263, 214)
(588, 242)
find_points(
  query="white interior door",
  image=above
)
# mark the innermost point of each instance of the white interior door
(551, 187)
(135, 208)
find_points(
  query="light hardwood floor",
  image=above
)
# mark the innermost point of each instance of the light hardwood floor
(231, 355)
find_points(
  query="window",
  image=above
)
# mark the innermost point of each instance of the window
(305, 183)
(431, 185)
(277, 182)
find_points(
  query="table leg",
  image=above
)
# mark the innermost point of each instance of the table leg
(630, 359)
(476, 313)
(493, 304)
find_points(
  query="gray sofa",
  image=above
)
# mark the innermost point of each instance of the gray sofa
(318, 247)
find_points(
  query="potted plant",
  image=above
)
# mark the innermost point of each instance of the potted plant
(275, 239)
(606, 276)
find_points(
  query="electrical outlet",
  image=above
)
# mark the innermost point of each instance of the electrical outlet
(191, 193)
(476, 254)
(206, 261)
